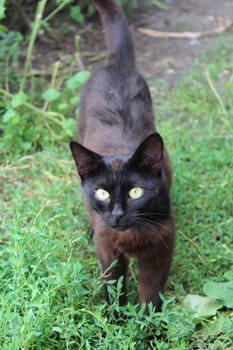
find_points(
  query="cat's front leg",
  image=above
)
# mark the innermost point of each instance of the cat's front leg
(113, 265)
(154, 268)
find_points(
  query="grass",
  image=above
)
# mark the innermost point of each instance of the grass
(50, 291)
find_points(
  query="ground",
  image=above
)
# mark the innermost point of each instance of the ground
(166, 58)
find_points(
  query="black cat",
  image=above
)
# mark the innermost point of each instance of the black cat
(124, 169)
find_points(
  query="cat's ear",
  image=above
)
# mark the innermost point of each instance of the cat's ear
(87, 162)
(150, 153)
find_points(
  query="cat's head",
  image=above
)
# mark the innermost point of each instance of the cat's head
(125, 190)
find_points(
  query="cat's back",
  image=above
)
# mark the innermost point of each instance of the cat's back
(115, 110)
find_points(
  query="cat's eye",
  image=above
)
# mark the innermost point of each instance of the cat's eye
(136, 192)
(102, 194)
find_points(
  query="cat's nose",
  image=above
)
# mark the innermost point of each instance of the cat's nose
(117, 213)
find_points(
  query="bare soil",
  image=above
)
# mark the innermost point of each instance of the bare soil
(166, 58)
(170, 58)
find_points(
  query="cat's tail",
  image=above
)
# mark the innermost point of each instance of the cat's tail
(118, 39)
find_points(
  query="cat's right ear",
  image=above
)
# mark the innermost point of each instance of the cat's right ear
(149, 154)
(87, 161)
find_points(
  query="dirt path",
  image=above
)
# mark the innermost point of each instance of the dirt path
(166, 58)
(169, 58)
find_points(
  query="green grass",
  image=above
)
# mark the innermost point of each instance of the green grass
(50, 291)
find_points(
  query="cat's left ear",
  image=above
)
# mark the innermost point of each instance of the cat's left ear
(150, 153)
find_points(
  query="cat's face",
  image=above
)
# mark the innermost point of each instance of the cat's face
(125, 192)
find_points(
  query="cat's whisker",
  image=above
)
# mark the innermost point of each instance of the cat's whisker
(144, 225)
(152, 214)
(153, 220)
(148, 226)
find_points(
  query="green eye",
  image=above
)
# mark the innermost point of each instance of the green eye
(135, 192)
(102, 194)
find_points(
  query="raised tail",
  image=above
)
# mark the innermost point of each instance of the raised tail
(118, 39)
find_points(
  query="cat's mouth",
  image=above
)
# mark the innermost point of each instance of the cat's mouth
(118, 226)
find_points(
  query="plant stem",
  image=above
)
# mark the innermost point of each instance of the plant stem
(53, 13)
(216, 94)
(35, 28)
(195, 246)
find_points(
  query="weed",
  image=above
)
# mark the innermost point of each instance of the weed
(28, 125)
